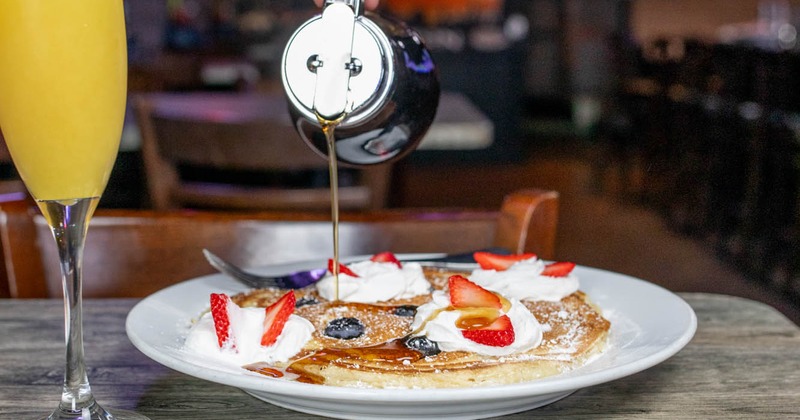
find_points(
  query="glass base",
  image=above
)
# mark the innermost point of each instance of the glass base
(95, 412)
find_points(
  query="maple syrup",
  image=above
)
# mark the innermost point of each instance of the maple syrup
(264, 369)
(305, 376)
(301, 369)
(328, 128)
(476, 318)
(392, 352)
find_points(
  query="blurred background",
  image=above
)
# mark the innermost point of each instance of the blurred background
(669, 127)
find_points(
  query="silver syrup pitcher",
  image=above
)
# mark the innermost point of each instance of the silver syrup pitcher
(372, 72)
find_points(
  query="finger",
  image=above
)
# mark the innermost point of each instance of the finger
(369, 4)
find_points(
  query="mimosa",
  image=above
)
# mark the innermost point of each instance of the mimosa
(63, 81)
(63, 78)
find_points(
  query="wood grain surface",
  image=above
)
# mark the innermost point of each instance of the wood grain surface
(744, 362)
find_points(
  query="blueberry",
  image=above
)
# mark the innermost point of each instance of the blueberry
(306, 300)
(345, 328)
(405, 310)
(423, 345)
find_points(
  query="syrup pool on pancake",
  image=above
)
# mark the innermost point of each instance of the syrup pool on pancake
(468, 317)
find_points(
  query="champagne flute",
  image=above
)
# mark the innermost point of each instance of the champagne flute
(63, 83)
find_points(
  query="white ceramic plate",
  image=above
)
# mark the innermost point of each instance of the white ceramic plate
(648, 325)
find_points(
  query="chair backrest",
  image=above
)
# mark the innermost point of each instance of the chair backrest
(10, 184)
(12, 190)
(136, 252)
(23, 271)
(249, 134)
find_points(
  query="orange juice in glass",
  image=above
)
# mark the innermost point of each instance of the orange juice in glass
(63, 83)
(62, 92)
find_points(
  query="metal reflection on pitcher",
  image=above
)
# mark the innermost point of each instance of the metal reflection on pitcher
(381, 77)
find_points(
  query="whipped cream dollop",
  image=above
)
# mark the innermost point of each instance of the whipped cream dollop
(435, 321)
(524, 281)
(247, 328)
(376, 282)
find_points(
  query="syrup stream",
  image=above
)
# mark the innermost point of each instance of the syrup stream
(328, 128)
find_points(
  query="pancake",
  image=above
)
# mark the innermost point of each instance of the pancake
(377, 357)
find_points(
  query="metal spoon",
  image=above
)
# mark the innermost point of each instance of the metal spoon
(300, 279)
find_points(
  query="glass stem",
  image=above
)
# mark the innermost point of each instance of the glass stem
(69, 220)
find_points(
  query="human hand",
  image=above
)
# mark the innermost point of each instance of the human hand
(369, 4)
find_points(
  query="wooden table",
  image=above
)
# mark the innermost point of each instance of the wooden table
(744, 362)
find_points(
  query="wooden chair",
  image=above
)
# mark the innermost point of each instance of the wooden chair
(248, 134)
(22, 271)
(137, 252)
(11, 190)
(11, 184)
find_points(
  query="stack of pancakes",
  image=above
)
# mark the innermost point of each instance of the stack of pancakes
(574, 332)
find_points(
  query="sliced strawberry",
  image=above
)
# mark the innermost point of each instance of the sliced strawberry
(386, 257)
(558, 269)
(499, 333)
(466, 294)
(276, 316)
(343, 269)
(221, 307)
(489, 261)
